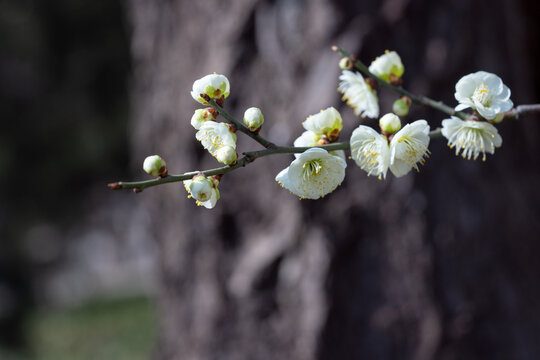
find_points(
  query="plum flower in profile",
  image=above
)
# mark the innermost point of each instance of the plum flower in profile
(321, 128)
(214, 136)
(314, 174)
(387, 65)
(358, 94)
(326, 123)
(309, 138)
(471, 137)
(213, 85)
(408, 147)
(370, 151)
(204, 190)
(483, 92)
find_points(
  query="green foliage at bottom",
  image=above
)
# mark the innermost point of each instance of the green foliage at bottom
(118, 329)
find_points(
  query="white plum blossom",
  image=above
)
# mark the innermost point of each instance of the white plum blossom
(408, 147)
(387, 64)
(370, 151)
(358, 94)
(327, 122)
(203, 190)
(155, 165)
(309, 138)
(214, 135)
(373, 154)
(314, 174)
(213, 85)
(471, 137)
(253, 118)
(483, 92)
(325, 125)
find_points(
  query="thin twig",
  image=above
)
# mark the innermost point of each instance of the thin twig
(423, 100)
(241, 127)
(246, 159)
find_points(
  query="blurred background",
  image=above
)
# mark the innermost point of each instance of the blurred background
(436, 265)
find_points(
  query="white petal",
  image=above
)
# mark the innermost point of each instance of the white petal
(409, 147)
(358, 94)
(323, 122)
(313, 174)
(370, 151)
(464, 105)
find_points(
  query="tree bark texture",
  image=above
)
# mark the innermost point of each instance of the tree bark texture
(437, 265)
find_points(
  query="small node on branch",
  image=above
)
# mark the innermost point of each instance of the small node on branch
(232, 128)
(220, 101)
(115, 186)
(137, 190)
(163, 172)
(333, 135)
(395, 80)
(323, 141)
(371, 82)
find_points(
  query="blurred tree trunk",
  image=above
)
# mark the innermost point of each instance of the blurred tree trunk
(435, 266)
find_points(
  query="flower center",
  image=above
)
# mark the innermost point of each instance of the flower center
(311, 168)
(202, 196)
(481, 95)
(414, 152)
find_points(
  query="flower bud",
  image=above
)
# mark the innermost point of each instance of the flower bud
(201, 188)
(213, 85)
(253, 118)
(155, 165)
(201, 116)
(345, 64)
(226, 155)
(387, 64)
(390, 123)
(400, 107)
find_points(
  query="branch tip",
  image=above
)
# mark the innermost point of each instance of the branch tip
(114, 186)
(137, 190)
(335, 48)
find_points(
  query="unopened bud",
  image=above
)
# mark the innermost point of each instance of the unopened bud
(387, 64)
(253, 118)
(345, 64)
(214, 86)
(390, 123)
(201, 188)
(400, 107)
(226, 155)
(201, 116)
(155, 165)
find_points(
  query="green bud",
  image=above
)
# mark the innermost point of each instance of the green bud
(390, 123)
(400, 107)
(345, 64)
(226, 155)
(253, 118)
(155, 165)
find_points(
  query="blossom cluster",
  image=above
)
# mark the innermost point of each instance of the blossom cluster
(316, 171)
